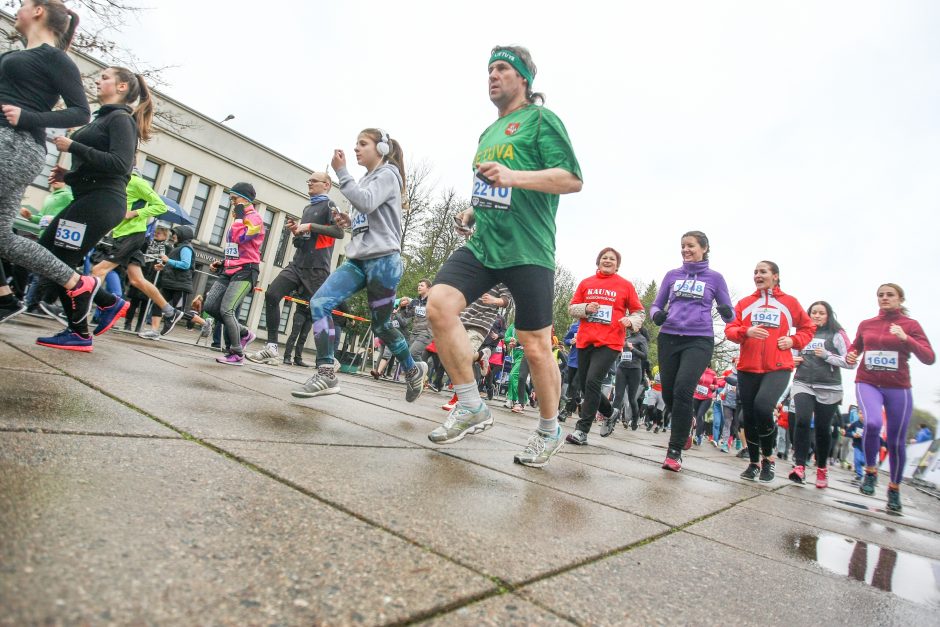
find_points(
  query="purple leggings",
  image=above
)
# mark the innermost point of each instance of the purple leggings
(898, 404)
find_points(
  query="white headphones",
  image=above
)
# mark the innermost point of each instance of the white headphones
(382, 146)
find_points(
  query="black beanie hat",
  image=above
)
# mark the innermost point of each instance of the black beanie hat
(245, 190)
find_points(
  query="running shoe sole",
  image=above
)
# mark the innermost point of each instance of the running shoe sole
(323, 392)
(475, 429)
(78, 349)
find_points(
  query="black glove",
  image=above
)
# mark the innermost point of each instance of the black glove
(239, 212)
(659, 318)
(726, 312)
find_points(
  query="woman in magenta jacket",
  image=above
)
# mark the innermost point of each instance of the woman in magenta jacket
(883, 346)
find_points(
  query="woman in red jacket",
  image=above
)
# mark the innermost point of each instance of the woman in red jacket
(883, 383)
(767, 324)
(606, 303)
(702, 400)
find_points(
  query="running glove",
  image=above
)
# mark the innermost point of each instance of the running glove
(726, 312)
(659, 318)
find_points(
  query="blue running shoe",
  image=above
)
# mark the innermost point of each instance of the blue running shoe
(66, 339)
(107, 316)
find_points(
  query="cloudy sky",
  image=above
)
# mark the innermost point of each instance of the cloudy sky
(802, 132)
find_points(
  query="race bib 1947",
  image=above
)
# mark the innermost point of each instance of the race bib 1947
(485, 196)
(70, 234)
(881, 360)
(765, 317)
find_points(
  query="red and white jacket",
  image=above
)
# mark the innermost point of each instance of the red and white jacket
(782, 316)
(707, 384)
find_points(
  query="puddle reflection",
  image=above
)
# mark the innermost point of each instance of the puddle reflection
(909, 576)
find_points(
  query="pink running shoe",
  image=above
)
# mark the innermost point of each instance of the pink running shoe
(798, 474)
(232, 359)
(822, 478)
(673, 461)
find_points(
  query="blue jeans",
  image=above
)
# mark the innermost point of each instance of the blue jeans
(859, 461)
(379, 277)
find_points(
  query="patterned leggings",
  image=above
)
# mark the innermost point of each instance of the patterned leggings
(379, 277)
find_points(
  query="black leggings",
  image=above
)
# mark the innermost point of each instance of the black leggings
(701, 408)
(807, 407)
(628, 379)
(682, 360)
(574, 389)
(593, 364)
(300, 329)
(100, 209)
(759, 393)
(522, 389)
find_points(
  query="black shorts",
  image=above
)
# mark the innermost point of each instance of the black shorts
(176, 298)
(292, 278)
(532, 287)
(129, 249)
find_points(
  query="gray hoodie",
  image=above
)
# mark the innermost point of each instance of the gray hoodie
(376, 214)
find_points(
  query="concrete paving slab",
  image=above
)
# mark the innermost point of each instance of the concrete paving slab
(486, 519)
(168, 532)
(13, 359)
(686, 579)
(506, 610)
(59, 403)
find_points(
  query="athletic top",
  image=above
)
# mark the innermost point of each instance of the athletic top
(707, 384)
(315, 250)
(142, 199)
(687, 294)
(632, 359)
(782, 316)
(243, 242)
(824, 372)
(616, 296)
(516, 227)
(34, 79)
(103, 151)
(376, 215)
(883, 357)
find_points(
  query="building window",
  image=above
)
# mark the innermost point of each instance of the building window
(221, 219)
(52, 158)
(150, 172)
(200, 200)
(285, 314)
(175, 190)
(282, 247)
(268, 219)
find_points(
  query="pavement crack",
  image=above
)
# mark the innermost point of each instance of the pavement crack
(103, 434)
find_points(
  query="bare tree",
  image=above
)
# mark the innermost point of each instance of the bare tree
(564, 290)
(419, 191)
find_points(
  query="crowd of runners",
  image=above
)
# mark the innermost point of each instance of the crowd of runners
(488, 310)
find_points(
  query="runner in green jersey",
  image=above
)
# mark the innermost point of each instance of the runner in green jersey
(523, 163)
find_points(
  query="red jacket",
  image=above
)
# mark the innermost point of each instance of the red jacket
(781, 315)
(616, 296)
(707, 384)
(889, 368)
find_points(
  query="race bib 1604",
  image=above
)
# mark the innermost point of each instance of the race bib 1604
(881, 360)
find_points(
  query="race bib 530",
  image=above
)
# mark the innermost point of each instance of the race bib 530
(70, 234)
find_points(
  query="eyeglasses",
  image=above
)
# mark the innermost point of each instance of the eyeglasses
(313, 180)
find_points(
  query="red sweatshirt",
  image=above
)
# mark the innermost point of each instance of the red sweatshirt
(706, 385)
(616, 296)
(884, 362)
(781, 315)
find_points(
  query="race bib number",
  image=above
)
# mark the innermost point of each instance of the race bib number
(689, 288)
(813, 345)
(765, 317)
(485, 196)
(881, 360)
(231, 250)
(395, 324)
(421, 311)
(360, 224)
(603, 315)
(626, 356)
(701, 389)
(70, 234)
(499, 350)
(45, 221)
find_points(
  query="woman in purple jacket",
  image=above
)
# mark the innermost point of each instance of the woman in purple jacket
(683, 308)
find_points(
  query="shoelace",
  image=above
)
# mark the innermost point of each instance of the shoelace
(535, 445)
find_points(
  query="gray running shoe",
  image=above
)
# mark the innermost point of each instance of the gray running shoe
(415, 384)
(264, 356)
(539, 449)
(149, 334)
(578, 437)
(462, 422)
(317, 385)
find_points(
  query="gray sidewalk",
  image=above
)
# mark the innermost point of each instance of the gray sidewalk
(144, 483)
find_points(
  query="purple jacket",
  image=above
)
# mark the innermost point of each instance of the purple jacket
(691, 291)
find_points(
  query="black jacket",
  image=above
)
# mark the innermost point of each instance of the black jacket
(103, 151)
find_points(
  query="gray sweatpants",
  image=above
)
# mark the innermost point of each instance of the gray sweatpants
(21, 160)
(222, 302)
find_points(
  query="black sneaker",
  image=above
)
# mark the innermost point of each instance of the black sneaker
(11, 311)
(287, 361)
(869, 481)
(563, 415)
(53, 311)
(751, 472)
(894, 502)
(742, 453)
(298, 361)
(649, 425)
(170, 321)
(766, 471)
